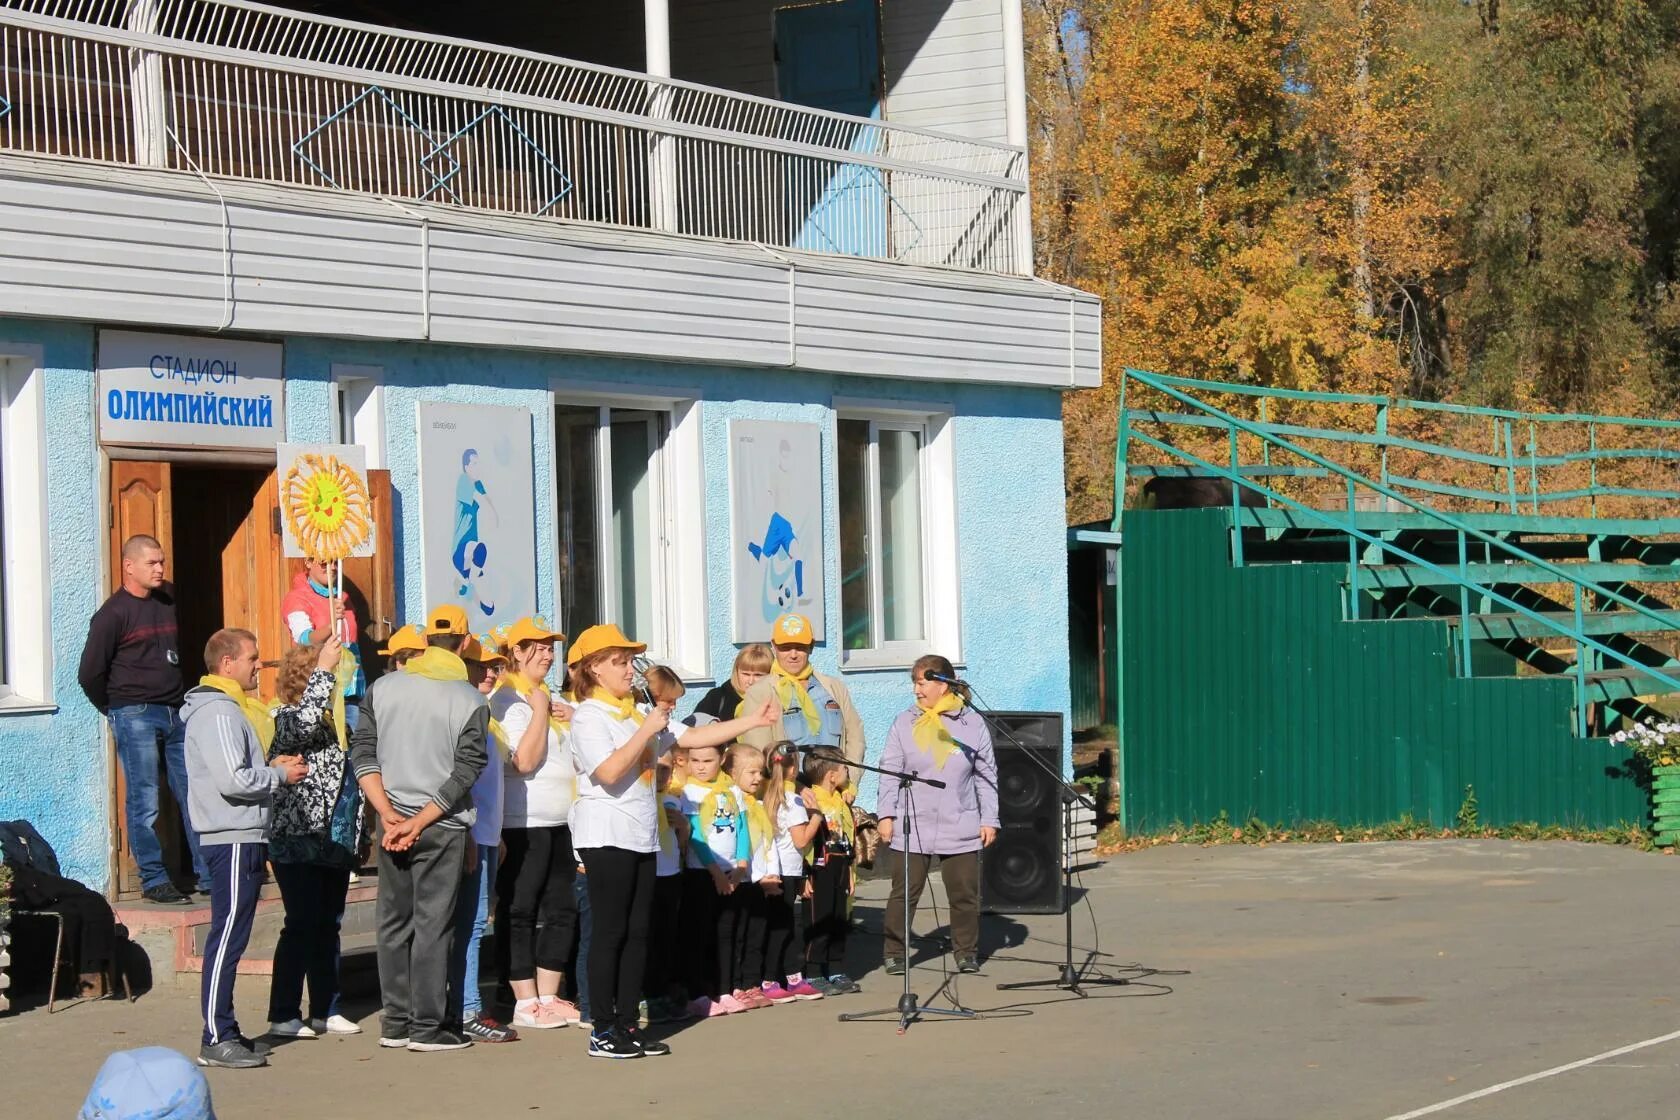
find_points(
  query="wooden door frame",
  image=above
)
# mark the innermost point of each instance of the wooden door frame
(109, 456)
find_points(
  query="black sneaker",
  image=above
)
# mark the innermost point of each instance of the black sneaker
(439, 1040)
(844, 985)
(482, 1028)
(652, 1048)
(968, 963)
(895, 966)
(166, 894)
(230, 1053)
(609, 1043)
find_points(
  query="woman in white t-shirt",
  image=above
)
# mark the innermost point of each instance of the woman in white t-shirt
(535, 910)
(615, 825)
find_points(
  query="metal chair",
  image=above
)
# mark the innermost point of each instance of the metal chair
(113, 973)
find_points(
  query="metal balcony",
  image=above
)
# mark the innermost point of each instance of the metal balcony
(225, 88)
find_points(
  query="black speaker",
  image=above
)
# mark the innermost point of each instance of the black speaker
(1022, 872)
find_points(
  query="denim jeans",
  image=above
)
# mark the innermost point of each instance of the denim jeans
(579, 972)
(143, 732)
(308, 951)
(472, 915)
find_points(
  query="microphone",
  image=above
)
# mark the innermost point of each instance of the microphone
(943, 679)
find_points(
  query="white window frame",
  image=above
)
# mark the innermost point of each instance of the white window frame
(679, 497)
(941, 557)
(23, 474)
(360, 391)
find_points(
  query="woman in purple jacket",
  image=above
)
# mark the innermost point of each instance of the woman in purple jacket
(942, 737)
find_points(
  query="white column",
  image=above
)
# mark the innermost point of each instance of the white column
(1015, 117)
(145, 82)
(662, 153)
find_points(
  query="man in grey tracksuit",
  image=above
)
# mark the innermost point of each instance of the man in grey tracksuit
(421, 743)
(230, 803)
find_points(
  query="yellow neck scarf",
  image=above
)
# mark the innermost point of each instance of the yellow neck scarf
(523, 685)
(759, 829)
(343, 675)
(623, 707)
(499, 736)
(791, 686)
(719, 794)
(928, 731)
(257, 713)
(437, 664)
(836, 812)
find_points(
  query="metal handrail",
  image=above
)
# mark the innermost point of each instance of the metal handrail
(1506, 460)
(1354, 479)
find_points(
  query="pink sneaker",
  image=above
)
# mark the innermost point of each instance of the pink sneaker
(564, 1012)
(775, 993)
(716, 1008)
(803, 991)
(753, 998)
(698, 1008)
(730, 1005)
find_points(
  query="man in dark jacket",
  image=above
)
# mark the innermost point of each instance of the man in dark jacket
(131, 670)
(421, 743)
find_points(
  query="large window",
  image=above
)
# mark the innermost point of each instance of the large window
(897, 537)
(612, 509)
(630, 517)
(25, 642)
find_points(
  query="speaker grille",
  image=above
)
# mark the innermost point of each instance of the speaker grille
(1022, 872)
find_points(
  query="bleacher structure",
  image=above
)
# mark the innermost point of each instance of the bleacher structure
(1393, 608)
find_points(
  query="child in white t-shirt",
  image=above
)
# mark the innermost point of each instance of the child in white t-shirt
(667, 999)
(746, 770)
(794, 829)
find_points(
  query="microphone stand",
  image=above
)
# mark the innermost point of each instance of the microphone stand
(1068, 978)
(907, 1010)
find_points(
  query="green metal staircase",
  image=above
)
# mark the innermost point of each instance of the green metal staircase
(1545, 561)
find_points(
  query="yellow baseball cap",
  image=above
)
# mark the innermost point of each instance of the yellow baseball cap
(792, 630)
(531, 628)
(406, 639)
(447, 619)
(478, 648)
(597, 638)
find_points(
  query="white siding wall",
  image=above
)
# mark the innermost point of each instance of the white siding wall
(87, 242)
(944, 65)
(943, 58)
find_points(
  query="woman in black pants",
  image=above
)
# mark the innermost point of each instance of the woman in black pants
(615, 826)
(536, 916)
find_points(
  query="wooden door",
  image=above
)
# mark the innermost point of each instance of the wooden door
(371, 581)
(254, 575)
(141, 497)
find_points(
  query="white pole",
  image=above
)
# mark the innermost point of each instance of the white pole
(662, 153)
(1015, 118)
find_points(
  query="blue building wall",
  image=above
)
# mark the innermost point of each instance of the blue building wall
(1008, 456)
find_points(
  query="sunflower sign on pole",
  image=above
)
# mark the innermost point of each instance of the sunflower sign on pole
(326, 514)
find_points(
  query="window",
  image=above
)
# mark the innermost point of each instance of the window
(25, 640)
(359, 415)
(897, 527)
(629, 515)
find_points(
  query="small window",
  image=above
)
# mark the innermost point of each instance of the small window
(884, 605)
(612, 517)
(360, 418)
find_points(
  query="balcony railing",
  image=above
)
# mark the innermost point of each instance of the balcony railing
(235, 89)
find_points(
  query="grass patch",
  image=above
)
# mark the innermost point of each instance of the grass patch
(1222, 830)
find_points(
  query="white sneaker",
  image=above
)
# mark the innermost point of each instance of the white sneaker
(334, 1024)
(292, 1028)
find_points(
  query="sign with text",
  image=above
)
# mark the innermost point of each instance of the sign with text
(165, 390)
